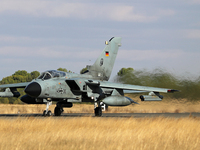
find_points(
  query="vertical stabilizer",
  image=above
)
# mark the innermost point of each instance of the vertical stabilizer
(103, 66)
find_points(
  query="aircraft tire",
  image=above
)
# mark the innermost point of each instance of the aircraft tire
(98, 111)
(106, 107)
(57, 111)
(49, 113)
(44, 113)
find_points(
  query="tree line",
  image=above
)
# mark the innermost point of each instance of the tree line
(156, 78)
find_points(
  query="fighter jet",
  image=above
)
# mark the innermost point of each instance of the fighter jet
(91, 86)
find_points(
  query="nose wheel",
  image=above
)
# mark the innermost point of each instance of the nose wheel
(47, 112)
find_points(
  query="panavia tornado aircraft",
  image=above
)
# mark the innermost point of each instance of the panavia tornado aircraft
(91, 86)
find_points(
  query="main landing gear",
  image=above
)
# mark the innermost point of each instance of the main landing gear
(58, 111)
(97, 109)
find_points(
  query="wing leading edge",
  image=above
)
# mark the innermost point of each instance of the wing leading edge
(15, 85)
(129, 87)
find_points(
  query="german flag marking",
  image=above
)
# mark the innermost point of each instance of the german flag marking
(107, 53)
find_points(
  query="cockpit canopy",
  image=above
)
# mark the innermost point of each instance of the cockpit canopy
(51, 74)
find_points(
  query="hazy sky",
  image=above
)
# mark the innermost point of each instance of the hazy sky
(48, 34)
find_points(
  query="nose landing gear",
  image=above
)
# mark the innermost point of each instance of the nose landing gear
(47, 112)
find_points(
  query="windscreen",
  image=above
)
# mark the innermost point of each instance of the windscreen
(51, 74)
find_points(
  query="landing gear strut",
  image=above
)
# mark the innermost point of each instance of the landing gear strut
(47, 112)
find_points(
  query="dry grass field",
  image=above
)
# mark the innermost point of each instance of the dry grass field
(90, 133)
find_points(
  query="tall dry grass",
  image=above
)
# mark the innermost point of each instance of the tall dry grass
(89, 133)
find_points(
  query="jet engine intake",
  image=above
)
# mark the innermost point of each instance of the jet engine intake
(118, 101)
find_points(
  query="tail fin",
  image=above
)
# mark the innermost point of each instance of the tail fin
(103, 66)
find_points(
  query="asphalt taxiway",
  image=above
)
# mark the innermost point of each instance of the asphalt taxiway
(111, 115)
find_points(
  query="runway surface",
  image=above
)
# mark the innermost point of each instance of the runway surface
(112, 115)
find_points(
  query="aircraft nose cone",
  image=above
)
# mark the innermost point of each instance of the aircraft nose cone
(33, 89)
